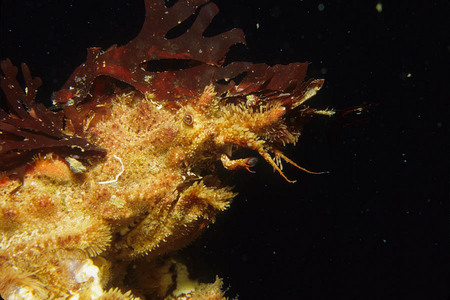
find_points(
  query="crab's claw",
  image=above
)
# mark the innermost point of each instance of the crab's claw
(241, 163)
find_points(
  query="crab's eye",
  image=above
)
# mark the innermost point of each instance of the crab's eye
(188, 119)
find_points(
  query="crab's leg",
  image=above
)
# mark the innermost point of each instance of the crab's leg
(269, 159)
(249, 141)
(278, 153)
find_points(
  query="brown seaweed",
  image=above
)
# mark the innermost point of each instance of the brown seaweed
(181, 67)
(29, 128)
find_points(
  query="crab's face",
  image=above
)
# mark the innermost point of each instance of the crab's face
(212, 128)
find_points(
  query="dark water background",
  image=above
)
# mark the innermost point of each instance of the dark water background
(377, 226)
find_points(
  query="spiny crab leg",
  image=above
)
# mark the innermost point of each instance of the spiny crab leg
(278, 166)
(269, 159)
(241, 163)
(279, 154)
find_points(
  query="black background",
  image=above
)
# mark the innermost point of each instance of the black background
(377, 226)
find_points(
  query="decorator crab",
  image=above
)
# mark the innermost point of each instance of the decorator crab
(98, 190)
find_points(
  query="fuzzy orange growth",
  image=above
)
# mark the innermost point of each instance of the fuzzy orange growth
(4, 180)
(53, 168)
